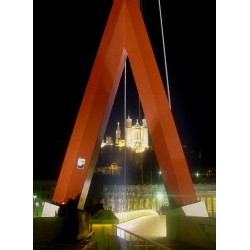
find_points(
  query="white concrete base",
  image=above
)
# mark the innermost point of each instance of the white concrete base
(49, 210)
(197, 209)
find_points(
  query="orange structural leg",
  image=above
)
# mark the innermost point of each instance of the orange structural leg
(155, 105)
(125, 35)
(94, 111)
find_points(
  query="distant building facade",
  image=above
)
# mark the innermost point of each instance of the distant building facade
(43, 191)
(136, 197)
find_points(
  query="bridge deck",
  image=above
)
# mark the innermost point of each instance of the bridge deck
(151, 227)
(154, 227)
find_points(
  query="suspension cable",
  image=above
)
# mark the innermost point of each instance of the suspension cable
(125, 111)
(139, 101)
(164, 53)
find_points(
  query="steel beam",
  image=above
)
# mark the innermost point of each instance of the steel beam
(125, 35)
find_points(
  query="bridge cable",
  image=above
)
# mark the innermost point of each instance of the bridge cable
(125, 148)
(139, 106)
(139, 101)
(164, 53)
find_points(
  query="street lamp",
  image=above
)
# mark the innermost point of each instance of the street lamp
(159, 196)
(159, 176)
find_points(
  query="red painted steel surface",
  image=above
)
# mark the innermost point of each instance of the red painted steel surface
(94, 110)
(125, 34)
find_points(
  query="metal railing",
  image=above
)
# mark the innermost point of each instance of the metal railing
(137, 242)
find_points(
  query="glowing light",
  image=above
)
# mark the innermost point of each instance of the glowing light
(197, 174)
(159, 196)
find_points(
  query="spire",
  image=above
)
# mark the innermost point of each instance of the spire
(118, 131)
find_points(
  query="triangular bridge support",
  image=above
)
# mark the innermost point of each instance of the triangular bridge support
(125, 35)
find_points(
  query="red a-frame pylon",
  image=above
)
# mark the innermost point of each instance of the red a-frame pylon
(125, 35)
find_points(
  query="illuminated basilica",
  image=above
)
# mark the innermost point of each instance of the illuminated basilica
(136, 136)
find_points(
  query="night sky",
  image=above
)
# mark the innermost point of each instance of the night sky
(67, 35)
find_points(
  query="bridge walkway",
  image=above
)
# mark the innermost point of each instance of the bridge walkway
(154, 227)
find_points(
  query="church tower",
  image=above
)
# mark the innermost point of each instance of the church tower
(128, 131)
(117, 134)
(136, 136)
